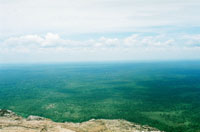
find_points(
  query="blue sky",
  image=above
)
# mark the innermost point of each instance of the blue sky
(99, 30)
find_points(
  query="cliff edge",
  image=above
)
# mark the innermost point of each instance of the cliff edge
(10, 122)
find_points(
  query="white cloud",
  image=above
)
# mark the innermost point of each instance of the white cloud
(24, 24)
(51, 40)
(192, 40)
(53, 47)
(26, 40)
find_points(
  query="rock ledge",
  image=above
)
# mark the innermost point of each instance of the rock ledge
(10, 122)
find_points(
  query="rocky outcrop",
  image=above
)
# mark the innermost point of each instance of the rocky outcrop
(10, 122)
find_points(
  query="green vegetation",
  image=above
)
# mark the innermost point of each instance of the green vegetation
(163, 95)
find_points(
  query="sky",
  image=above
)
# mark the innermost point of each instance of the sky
(99, 30)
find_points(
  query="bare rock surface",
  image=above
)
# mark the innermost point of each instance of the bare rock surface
(10, 122)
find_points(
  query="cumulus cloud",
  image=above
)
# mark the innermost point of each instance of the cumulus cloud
(53, 47)
(51, 40)
(192, 40)
(24, 25)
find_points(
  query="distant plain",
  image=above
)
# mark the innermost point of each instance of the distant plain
(165, 95)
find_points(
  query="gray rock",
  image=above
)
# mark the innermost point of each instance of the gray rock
(7, 113)
(31, 118)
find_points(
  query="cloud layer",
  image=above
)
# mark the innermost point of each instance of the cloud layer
(134, 47)
(89, 16)
(51, 40)
(40, 30)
